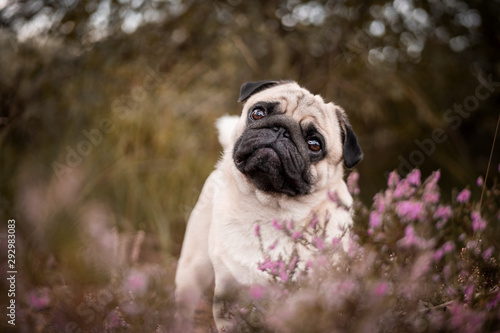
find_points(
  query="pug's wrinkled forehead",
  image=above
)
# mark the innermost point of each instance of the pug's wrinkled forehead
(287, 97)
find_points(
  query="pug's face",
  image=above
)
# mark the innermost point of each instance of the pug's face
(290, 141)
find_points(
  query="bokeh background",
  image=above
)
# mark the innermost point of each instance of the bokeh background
(107, 110)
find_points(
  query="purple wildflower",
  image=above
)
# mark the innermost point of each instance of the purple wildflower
(469, 293)
(268, 265)
(410, 238)
(403, 189)
(478, 223)
(352, 183)
(488, 252)
(39, 299)
(480, 181)
(256, 292)
(409, 210)
(314, 221)
(136, 282)
(446, 248)
(430, 197)
(438, 254)
(276, 225)
(257, 230)
(379, 201)
(463, 196)
(375, 220)
(443, 213)
(115, 320)
(334, 197)
(393, 179)
(381, 288)
(464, 319)
(414, 177)
(434, 177)
(318, 243)
(494, 302)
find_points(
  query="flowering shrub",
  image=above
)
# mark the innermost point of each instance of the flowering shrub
(413, 264)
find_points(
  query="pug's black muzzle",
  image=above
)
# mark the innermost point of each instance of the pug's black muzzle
(272, 153)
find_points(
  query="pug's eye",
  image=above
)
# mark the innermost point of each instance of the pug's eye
(257, 113)
(313, 145)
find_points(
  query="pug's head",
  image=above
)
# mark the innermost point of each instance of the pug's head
(289, 141)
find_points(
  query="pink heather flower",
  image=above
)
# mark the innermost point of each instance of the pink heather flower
(488, 252)
(114, 321)
(478, 223)
(414, 177)
(289, 225)
(480, 181)
(318, 243)
(381, 288)
(434, 177)
(314, 221)
(430, 197)
(463, 196)
(268, 265)
(39, 299)
(438, 254)
(443, 213)
(256, 292)
(273, 245)
(379, 201)
(136, 282)
(335, 241)
(296, 235)
(276, 225)
(446, 248)
(352, 183)
(469, 293)
(375, 220)
(410, 238)
(494, 302)
(467, 320)
(257, 230)
(393, 179)
(334, 197)
(403, 189)
(409, 210)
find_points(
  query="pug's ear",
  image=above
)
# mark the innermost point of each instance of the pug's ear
(250, 88)
(352, 150)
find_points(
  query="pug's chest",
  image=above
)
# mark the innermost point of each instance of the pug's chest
(244, 246)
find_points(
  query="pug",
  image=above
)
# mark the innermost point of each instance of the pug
(280, 159)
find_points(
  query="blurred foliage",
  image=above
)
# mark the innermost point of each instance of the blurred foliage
(108, 106)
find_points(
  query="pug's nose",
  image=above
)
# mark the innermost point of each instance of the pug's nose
(281, 131)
